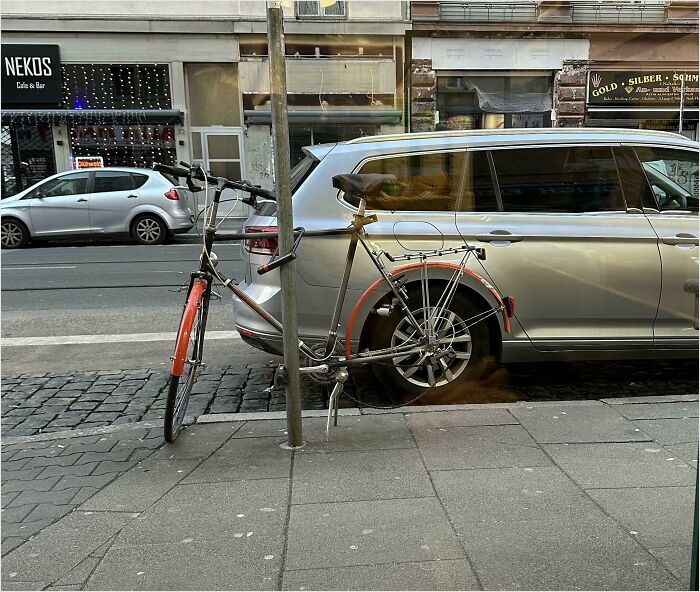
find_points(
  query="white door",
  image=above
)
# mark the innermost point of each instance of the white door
(220, 150)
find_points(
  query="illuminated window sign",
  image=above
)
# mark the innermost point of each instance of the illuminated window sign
(88, 162)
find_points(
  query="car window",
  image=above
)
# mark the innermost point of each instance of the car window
(112, 181)
(558, 179)
(73, 184)
(139, 180)
(424, 182)
(673, 176)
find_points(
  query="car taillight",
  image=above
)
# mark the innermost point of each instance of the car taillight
(172, 194)
(261, 246)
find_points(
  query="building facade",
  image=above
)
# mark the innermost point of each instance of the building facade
(540, 63)
(135, 83)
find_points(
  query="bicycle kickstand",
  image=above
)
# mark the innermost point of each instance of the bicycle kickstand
(334, 400)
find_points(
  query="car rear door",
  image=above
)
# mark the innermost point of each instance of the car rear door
(60, 206)
(584, 271)
(113, 197)
(672, 197)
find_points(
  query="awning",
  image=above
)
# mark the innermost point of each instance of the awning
(92, 116)
(327, 116)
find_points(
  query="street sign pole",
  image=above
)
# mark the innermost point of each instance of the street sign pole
(680, 111)
(280, 135)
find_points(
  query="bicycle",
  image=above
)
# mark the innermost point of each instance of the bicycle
(428, 336)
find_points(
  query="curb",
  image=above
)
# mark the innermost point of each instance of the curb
(347, 412)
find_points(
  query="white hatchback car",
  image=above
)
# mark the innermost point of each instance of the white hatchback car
(142, 203)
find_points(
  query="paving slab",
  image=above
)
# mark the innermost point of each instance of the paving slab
(59, 548)
(508, 494)
(14, 585)
(611, 465)
(452, 574)
(357, 533)
(461, 418)
(478, 447)
(656, 516)
(362, 475)
(189, 566)
(659, 410)
(246, 458)
(195, 443)
(378, 432)
(577, 423)
(214, 513)
(141, 487)
(671, 431)
(677, 560)
(687, 452)
(571, 567)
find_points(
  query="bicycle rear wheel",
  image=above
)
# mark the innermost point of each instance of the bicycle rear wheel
(187, 358)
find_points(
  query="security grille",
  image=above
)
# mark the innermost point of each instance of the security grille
(318, 8)
(27, 156)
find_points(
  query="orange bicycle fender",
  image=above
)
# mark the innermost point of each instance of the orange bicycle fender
(373, 287)
(183, 334)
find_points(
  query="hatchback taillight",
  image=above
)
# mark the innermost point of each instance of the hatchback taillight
(261, 246)
(172, 194)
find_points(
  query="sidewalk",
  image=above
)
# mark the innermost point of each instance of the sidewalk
(552, 495)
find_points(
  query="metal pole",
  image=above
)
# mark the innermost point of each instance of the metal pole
(280, 135)
(680, 113)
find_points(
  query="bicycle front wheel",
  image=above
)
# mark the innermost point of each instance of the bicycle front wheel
(186, 360)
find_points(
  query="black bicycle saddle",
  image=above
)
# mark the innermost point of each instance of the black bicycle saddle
(368, 186)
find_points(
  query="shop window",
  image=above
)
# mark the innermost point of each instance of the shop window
(493, 102)
(106, 181)
(424, 182)
(116, 86)
(558, 179)
(125, 145)
(213, 95)
(673, 176)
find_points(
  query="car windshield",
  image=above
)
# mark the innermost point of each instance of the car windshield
(301, 171)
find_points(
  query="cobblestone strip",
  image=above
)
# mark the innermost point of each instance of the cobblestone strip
(43, 481)
(33, 404)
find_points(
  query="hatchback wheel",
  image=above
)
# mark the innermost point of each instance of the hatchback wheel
(467, 345)
(149, 230)
(13, 234)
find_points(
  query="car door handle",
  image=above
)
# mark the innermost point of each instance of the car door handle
(499, 236)
(132, 196)
(682, 238)
(82, 199)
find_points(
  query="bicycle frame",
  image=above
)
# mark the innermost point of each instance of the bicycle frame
(357, 233)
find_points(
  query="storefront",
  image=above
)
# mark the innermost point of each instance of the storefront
(469, 82)
(660, 99)
(118, 114)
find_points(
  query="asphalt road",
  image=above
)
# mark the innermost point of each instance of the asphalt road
(123, 294)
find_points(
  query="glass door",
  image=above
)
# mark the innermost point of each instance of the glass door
(220, 152)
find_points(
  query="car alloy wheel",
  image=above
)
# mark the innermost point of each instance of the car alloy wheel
(148, 230)
(12, 234)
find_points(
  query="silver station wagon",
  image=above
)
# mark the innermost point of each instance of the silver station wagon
(593, 232)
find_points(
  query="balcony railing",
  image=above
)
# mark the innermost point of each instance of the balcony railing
(624, 13)
(488, 11)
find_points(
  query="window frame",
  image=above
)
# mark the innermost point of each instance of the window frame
(631, 151)
(321, 14)
(122, 173)
(88, 185)
(611, 145)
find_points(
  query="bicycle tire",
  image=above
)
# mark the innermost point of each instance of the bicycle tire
(188, 350)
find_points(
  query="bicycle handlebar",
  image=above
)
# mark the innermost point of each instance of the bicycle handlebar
(198, 173)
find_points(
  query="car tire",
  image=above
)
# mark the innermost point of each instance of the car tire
(13, 234)
(413, 380)
(149, 229)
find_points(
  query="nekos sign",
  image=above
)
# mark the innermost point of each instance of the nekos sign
(642, 88)
(31, 74)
